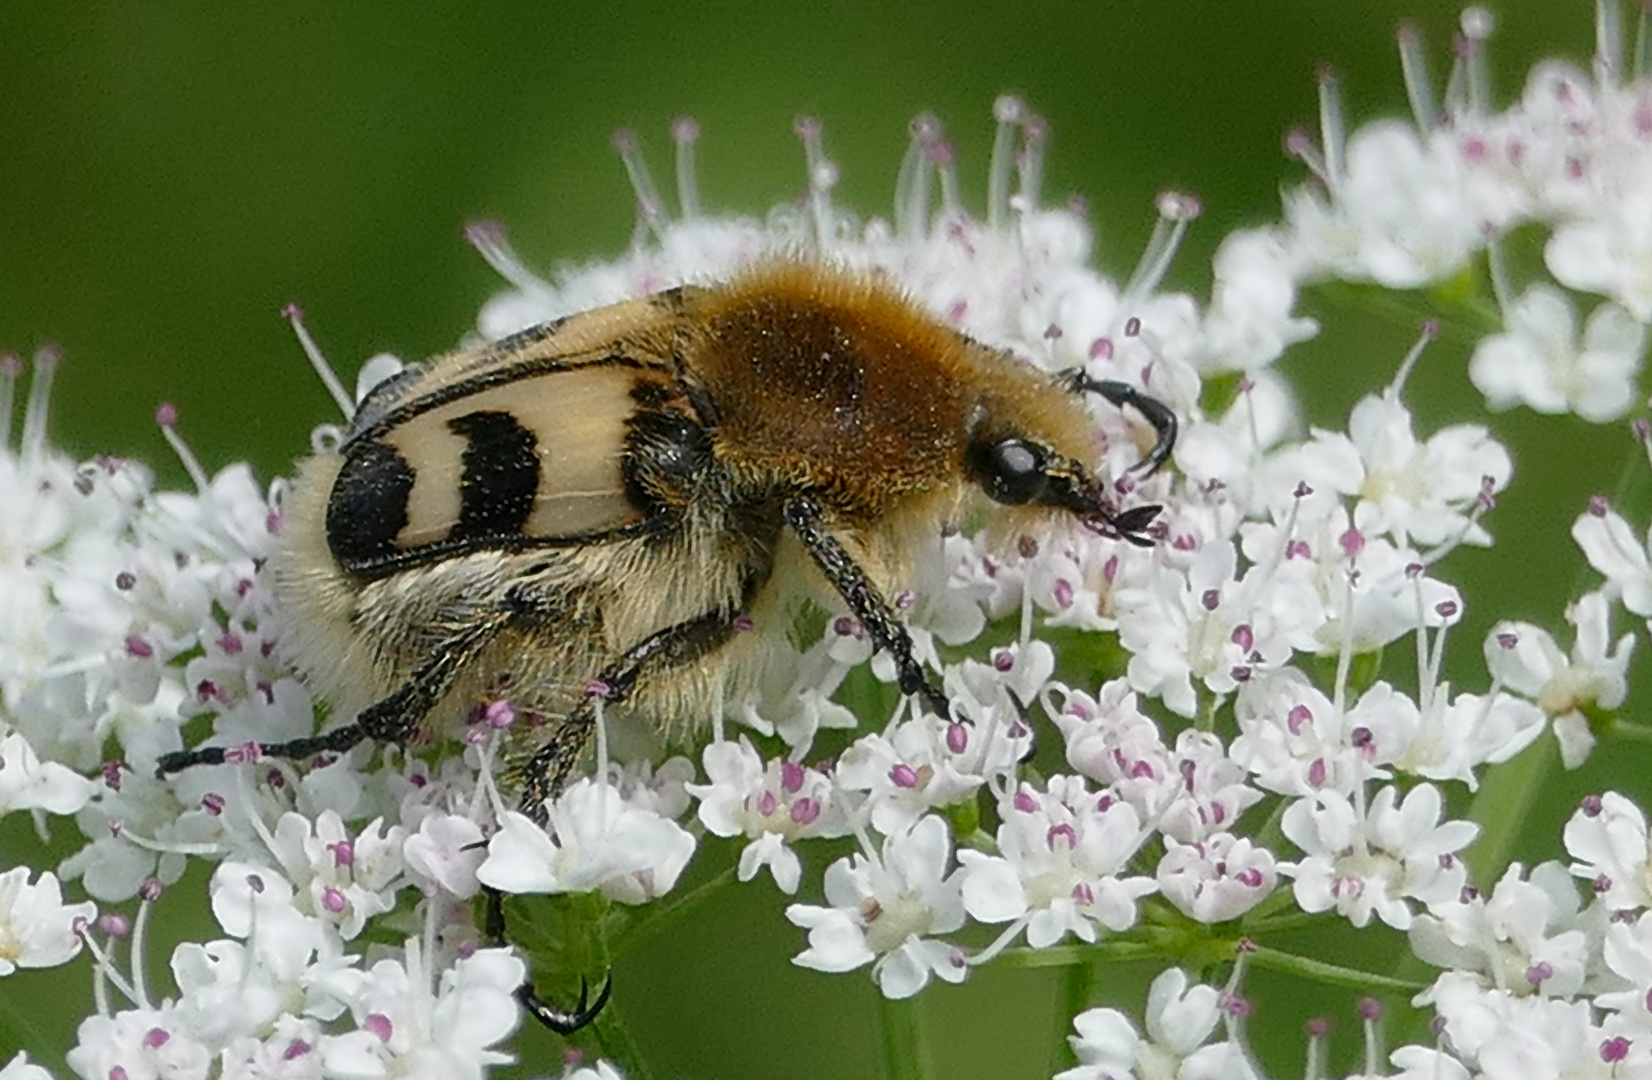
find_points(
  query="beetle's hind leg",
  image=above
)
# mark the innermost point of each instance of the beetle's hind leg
(336, 741)
(396, 717)
(674, 647)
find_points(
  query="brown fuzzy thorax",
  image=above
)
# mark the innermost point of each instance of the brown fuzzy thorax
(838, 382)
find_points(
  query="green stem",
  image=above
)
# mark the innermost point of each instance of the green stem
(1208, 704)
(1623, 729)
(1069, 955)
(1502, 806)
(1401, 309)
(1078, 990)
(1275, 923)
(1333, 974)
(1631, 473)
(900, 1029)
(615, 1042)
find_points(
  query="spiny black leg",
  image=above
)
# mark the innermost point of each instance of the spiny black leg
(865, 601)
(336, 741)
(1121, 394)
(493, 914)
(562, 1021)
(675, 646)
(549, 768)
(391, 719)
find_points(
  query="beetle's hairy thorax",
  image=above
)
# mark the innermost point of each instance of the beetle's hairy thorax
(846, 389)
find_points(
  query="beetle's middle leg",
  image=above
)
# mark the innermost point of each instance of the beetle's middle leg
(548, 770)
(674, 647)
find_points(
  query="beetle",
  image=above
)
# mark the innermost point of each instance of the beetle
(602, 502)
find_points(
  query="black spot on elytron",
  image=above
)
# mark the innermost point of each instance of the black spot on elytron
(368, 506)
(500, 475)
(665, 453)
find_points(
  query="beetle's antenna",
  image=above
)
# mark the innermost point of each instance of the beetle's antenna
(1131, 525)
(1153, 410)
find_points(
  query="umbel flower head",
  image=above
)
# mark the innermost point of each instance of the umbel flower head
(1177, 753)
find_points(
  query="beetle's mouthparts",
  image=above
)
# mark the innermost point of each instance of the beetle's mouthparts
(1131, 524)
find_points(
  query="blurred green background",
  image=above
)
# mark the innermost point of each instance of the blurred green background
(173, 174)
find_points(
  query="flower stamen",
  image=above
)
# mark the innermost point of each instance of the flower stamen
(1608, 43)
(1333, 127)
(32, 446)
(913, 181)
(823, 176)
(1419, 88)
(1009, 111)
(1468, 92)
(1176, 210)
(11, 366)
(329, 378)
(651, 215)
(491, 242)
(166, 415)
(1430, 331)
(685, 132)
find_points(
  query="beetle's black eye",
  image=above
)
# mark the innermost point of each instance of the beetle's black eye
(1011, 471)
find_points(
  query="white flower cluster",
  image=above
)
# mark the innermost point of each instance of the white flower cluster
(1411, 205)
(128, 613)
(1237, 649)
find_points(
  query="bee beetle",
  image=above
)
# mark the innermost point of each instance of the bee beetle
(604, 500)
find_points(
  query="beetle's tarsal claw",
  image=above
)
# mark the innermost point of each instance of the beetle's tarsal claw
(566, 1021)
